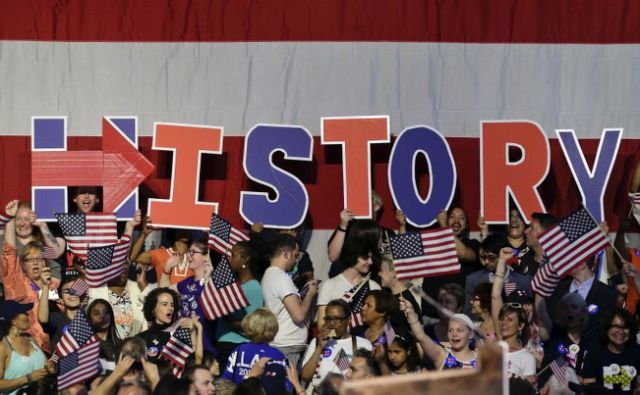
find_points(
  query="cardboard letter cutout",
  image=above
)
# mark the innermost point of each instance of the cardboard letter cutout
(501, 177)
(356, 134)
(188, 143)
(414, 141)
(591, 182)
(290, 206)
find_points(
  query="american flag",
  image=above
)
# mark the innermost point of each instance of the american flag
(78, 332)
(559, 368)
(79, 287)
(178, 348)
(4, 219)
(105, 263)
(48, 252)
(342, 360)
(545, 280)
(82, 230)
(222, 236)
(355, 296)
(223, 294)
(571, 242)
(635, 197)
(301, 294)
(80, 365)
(389, 333)
(429, 253)
(509, 287)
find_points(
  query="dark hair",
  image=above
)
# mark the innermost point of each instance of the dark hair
(135, 384)
(327, 385)
(67, 279)
(112, 333)
(138, 348)
(483, 292)
(340, 303)
(250, 386)
(465, 231)
(208, 358)
(521, 315)
(629, 322)
(493, 243)
(253, 259)
(283, 243)
(152, 300)
(170, 385)
(405, 341)
(188, 372)
(456, 291)
(365, 231)
(386, 303)
(370, 362)
(545, 220)
(354, 249)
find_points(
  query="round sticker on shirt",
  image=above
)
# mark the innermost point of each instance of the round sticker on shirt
(632, 371)
(326, 352)
(152, 351)
(593, 309)
(615, 368)
(561, 349)
(574, 349)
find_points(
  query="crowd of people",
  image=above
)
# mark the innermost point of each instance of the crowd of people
(295, 335)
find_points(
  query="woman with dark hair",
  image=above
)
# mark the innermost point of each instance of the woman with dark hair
(403, 354)
(245, 263)
(161, 309)
(512, 325)
(366, 232)
(481, 307)
(612, 368)
(100, 315)
(21, 360)
(376, 310)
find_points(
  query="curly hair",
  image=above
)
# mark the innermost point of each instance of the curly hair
(151, 302)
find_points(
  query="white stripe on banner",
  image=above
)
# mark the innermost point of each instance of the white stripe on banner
(238, 85)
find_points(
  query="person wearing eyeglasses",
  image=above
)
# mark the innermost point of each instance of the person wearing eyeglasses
(54, 322)
(323, 353)
(191, 287)
(489, 255)
(612, 366)
(22, 276)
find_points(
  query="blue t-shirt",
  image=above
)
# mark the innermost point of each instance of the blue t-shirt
(246, 355)
(224, 330)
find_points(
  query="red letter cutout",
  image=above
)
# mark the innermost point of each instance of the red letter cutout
(501, 177)
(188, 143)
(356, 134)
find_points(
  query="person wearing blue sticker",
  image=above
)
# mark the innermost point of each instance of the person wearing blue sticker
(461, 331)
(333, 338)
(612, 366)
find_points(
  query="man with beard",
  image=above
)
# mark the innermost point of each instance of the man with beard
(125, 296)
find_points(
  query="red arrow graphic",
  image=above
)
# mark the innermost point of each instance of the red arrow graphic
(119, 168)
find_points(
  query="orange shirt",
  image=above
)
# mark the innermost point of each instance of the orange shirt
(633, 295)
(159, 258)
(18, 287)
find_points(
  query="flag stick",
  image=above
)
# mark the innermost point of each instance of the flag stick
(605, 235)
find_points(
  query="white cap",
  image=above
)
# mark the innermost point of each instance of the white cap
(464, 319)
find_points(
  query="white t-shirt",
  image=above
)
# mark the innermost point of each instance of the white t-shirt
(336, 287)
(277, 285)
(329, 354)
(521, 363)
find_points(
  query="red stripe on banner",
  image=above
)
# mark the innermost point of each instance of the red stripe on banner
(510, 21)
(223, 177)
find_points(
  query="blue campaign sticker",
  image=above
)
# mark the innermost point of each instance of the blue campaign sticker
(326, 352)
(562, 349)
(152, 351)
(593, 309)
(451, 361)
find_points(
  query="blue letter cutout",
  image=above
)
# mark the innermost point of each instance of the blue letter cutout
(290, 206)
(442, 171)
(592, 183)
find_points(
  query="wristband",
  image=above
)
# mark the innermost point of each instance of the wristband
(499, 275)
(339, 229)
(167, 273)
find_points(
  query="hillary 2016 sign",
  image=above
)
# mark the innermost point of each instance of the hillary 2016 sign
(119, 168)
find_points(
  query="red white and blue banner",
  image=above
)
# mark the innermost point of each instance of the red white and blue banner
(277, 111)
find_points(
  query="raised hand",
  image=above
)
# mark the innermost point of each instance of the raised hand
(346, 215)
(11, 208)
(401, 219)
(506, 253)
(147, 226)
(443, 218)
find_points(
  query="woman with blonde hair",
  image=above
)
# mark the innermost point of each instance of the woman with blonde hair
(260, 327)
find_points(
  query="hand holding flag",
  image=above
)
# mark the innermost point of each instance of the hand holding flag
(222, 235)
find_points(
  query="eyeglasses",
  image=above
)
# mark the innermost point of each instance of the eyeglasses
(35, 259)
(193, 252)
(488, 257)
(334, 319)
(620, 328)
